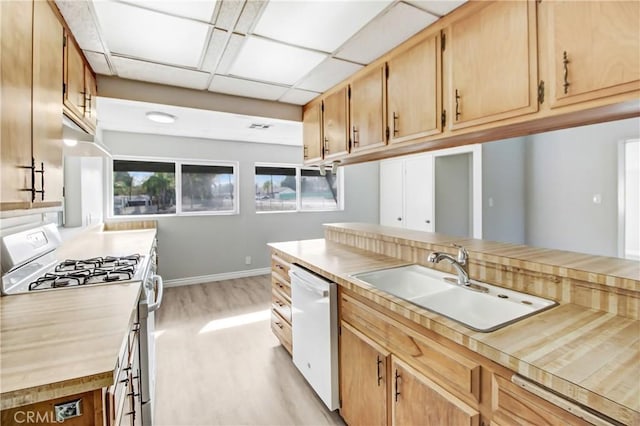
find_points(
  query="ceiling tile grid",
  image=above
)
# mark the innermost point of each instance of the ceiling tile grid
(288, 51)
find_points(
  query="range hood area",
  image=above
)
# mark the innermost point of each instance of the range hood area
(87, 145)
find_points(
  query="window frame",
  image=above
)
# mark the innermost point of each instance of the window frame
(178, 163)
(339, 185)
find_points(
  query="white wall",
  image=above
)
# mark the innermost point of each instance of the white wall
(453, 194)
(503, 184)
(565, 170)
(192, 246)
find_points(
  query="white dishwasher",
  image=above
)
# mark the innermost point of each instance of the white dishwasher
(315, 332)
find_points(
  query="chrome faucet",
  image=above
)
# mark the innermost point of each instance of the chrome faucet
(460, 263)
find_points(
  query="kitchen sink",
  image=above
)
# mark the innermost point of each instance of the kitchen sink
(480, 306)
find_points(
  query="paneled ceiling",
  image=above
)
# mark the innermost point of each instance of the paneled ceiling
(287, 51)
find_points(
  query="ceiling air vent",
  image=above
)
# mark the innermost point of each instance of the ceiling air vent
(259, 126)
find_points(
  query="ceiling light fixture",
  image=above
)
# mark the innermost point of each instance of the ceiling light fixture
(70, 142)
(161, 117)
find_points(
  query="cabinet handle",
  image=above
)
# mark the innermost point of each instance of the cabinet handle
(397, 392)
(326, 145)
(87, 104)
(378, 370)
(279, 303)
(396, 120)
(565, 63)
(279, 324)
(41, 171)
(458, 97)
(306, 152)
(355, 138)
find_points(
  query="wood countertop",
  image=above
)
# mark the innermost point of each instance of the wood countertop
(59, 343)
(589, 356)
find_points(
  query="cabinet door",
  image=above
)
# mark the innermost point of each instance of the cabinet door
(15, 103)
(312, 133)
(594, 49)
(91, 89)
(413, 92)
(392, 193)
(363, 379)
(334, 124)
(419, 401)
(74, 95)
(492, 54)
(418, 193)
(368, 110)
(47, 105)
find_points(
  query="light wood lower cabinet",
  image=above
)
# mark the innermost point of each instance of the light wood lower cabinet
(392, 371)
(363, 372)
(281, 300)
(417, 400)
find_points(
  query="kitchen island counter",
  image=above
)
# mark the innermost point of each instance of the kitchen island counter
(586, 355)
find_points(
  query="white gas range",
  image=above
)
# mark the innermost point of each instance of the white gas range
(30, 265)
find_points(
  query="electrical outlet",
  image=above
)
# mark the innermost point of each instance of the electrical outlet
(247, 260)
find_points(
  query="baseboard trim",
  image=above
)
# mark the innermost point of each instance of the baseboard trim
(216, 277)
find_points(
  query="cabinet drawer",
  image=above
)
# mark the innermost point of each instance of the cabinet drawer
(512, 405)
(280, 267)
(445, 366)
(281, 305)
(280, 285)
(281, 329)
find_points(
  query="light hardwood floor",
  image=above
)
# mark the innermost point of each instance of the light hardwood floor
(218, 362)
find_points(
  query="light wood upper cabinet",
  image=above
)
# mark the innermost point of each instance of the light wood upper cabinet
(47, 108)
(491, 53)
(368, 110)
(363, 379)
(312, 133)
(414, 94)
(593, 49)
(31, 87)
(74, 72)
(418, 400)
(91, 87)
(15, 105)
(335, 124)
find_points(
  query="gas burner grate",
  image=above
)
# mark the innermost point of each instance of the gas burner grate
(73, 265)
(49, 280)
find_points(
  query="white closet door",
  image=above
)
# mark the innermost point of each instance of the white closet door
(391, 193)
(418, 185)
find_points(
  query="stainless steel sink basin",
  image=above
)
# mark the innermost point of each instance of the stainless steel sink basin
(481, 307)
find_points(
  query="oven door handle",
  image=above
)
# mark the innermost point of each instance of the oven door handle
(158, 283)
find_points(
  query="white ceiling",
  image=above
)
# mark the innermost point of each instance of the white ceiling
(130, 116)
(280, 50)
(287, 51)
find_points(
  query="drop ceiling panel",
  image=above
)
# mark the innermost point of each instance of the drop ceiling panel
(438, 7)
(129, 116)
(298, 97)
(385, 33)
(265, 60)
(328, 74)
(228, 14)
(251, 10)
(230, 53)
(162, 74)
(199, 10)
(214, 50)
(82, 24)
(250, 89)
(98, 62)
(316, 24)
(140, 33)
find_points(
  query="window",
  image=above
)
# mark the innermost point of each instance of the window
(163, 187)
(290, 188)
(142, 187)
(207, 188)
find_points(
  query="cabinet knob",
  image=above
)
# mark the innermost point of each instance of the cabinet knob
(427, 221)
(399, 219)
